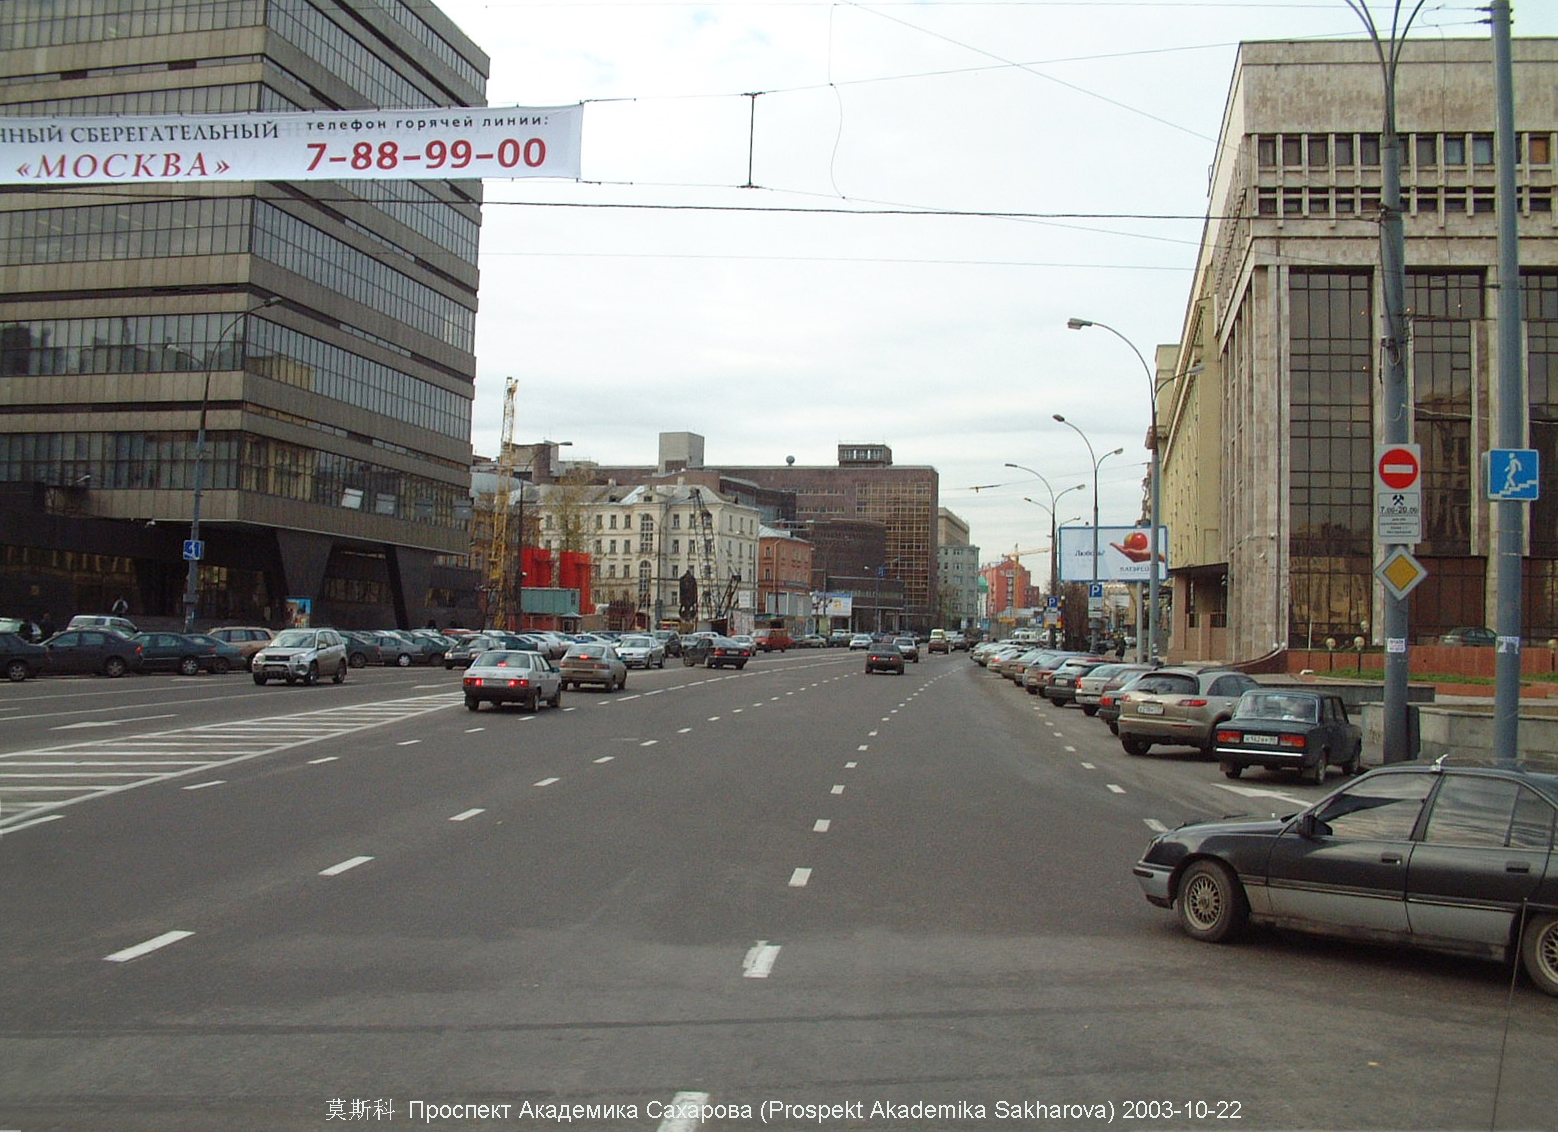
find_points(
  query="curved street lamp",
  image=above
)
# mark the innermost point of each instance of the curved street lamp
(1054, 558)
(193, 551)
(1155, 479)
(1097, 463)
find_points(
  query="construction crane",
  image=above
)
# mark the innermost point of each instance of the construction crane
(500, 550)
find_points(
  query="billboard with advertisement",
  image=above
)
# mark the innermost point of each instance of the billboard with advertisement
(831, 604)
(1122, 554)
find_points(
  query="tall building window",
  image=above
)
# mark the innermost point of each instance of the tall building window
(1541, 319)
(1331, 463)
(1444, 305)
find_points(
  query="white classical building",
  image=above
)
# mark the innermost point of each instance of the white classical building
(645, 539)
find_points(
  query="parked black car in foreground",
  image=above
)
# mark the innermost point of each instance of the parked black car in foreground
(1289, 729)
(1454, 855)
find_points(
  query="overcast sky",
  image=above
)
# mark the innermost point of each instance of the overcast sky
(785, 318)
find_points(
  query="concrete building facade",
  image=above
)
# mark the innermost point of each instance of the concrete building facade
(320, 333)
(1271, 412)
(957, 573)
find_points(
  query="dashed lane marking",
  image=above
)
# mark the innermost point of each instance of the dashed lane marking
(146, 948)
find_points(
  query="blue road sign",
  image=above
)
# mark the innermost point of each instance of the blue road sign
(1513, 473)
(1095, 590)
(194, 549)
(1054, 601)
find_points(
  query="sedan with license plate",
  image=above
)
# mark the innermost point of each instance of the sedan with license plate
(594, 664)
(1091, 686)
(176, 652)
(909, 647)
(1179, 707)
(884, 657)
(501, 677)
(1455, 856)
(716, 652)
(104, 651)
(1061, 687)
(641, 652)
(1290, 729)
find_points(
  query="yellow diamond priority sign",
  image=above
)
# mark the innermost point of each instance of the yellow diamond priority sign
(1400, 573)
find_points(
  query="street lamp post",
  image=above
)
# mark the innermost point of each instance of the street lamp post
(1054, 557)
(193, 552)
(1155, 479)
(1097, 462)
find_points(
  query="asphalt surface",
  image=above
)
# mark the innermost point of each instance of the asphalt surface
(887, 902)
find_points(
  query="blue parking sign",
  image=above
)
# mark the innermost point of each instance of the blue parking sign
(1513, 474)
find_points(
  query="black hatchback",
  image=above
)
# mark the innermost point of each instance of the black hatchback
(1454, 855)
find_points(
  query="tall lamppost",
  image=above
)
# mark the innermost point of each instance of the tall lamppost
(1054, 556)
(1097, 462)
(1155, 479)
(193, 551)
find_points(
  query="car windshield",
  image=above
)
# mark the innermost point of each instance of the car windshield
(1165, 683)
(1274, 705)
(637, 643)
(294, 639)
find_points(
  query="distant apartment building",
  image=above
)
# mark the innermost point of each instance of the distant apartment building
(321, 334)
(1271, 411)
(887, 512)
(784, 567)
(957, 572)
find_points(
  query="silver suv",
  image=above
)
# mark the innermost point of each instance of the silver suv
(1178, 707)
(301, 655)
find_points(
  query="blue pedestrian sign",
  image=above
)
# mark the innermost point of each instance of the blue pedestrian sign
(1513, 474)
(194, 549)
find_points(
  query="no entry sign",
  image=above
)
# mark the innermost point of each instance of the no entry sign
(1397, 466)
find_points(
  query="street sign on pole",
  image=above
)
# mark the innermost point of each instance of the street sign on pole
(194, 549)
(1513, 474)
(1397, 467)
(1398, 514)
(1400, 573)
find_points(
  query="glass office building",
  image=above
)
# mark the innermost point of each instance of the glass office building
(321, 332)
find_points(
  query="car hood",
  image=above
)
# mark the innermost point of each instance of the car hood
(1220, 836)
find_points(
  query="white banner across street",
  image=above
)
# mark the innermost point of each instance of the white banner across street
(457, 143)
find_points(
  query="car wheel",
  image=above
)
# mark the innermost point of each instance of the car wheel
(189, 666)
(114, 666)
(340, 674)
(1135, 746)
(741, 665)
(687, 662)
(1355, 764)
(1233, 770)
(530, 705)
(312, 676)
(1089, 710)
(472, 703)
(222, 666)
(358, 660)
(404, 660)
(1114, 728)
(16, 671)
(1539, 950)
(259, 678)
(557, 698)
(1212, 905)
(1315, 775)
(291, 679)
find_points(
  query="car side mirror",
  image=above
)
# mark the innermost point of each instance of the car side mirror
(1307, 825)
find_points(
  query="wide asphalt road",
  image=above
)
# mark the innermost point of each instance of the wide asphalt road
(794, 896)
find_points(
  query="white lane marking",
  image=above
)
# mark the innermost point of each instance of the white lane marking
(1071, 749)
(548, 781)
(680, 1103)
(605, 758)
(759, 960)
(863, 747)
(1155, 825)
(870, 734)
(737, 711)
(150, 945)
(350, 863)
(203, 785)
(1257, 792)
(837, 789)
(851, 765)
(30, 824)
(821, 825)
(408, 743)
(799, 878)
(109, 722)
(649, 742)
(712, 719)
(625, 699)
(683, 730)
(1115, 789)
(467, 815)
(326, 759)
(473, 730)
(1088, 766)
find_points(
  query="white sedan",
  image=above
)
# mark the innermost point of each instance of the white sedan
(505, 676)
(641, 652)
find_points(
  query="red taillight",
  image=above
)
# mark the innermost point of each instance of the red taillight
(1229, 736)
(1192, 703)
(1298, 741)
(471, 680)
